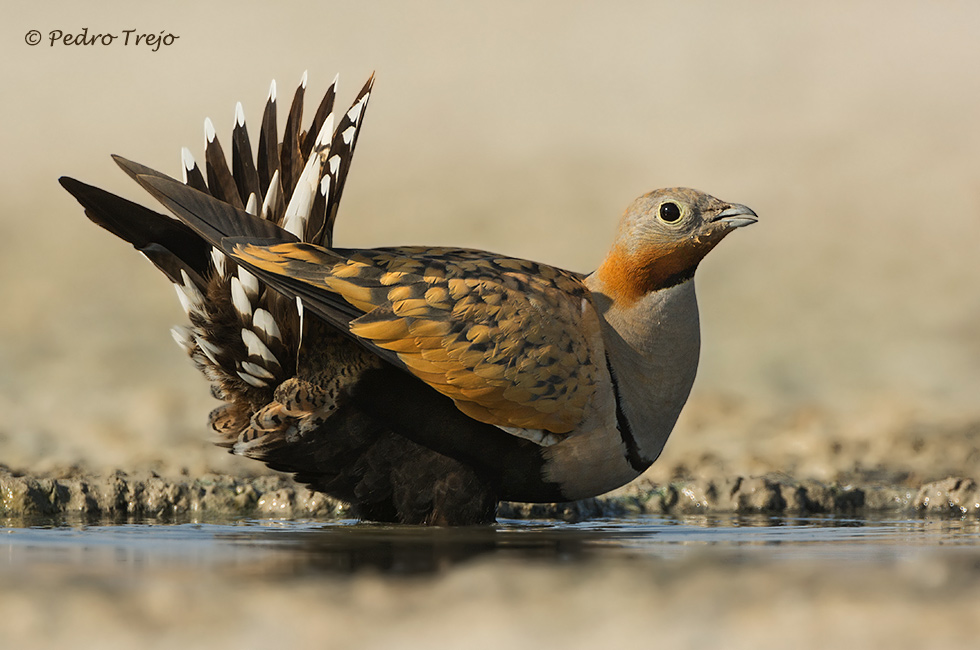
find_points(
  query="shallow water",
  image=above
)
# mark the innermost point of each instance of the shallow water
(284, 548)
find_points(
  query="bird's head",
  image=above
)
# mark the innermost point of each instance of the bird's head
(662, 238)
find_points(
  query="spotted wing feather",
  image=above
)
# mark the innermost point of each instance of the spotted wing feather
(512, 342)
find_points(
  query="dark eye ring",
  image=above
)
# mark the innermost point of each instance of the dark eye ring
(669, 212)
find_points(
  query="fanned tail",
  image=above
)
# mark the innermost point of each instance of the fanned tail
(244, 337)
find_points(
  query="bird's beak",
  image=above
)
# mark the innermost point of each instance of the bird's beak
(735, 216)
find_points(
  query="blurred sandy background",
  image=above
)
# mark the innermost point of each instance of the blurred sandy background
(850, 311)
(525, 128)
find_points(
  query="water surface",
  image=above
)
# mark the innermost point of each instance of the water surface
(308, 547)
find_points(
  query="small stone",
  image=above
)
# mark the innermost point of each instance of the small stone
(951, 496)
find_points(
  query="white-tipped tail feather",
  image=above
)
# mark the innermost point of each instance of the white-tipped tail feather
(220, 262)
(301, 203)
(256, 370)
(262, 321)
(187, 163)
(271, 197)
(184, 338)
(249, 283)
(240, 300)
(209, 349)
(252, 205)
(256, 348)
(189, 295)
(251, 380)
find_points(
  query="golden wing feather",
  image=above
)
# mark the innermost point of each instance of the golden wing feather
(512, 342)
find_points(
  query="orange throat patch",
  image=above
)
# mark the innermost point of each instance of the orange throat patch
(627, 277)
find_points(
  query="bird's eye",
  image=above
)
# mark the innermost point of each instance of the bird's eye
(669, 212)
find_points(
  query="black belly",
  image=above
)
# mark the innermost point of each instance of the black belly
(409, 407)
(399, 451)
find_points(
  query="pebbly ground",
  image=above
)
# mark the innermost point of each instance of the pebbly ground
(725, 458)
(121, 496)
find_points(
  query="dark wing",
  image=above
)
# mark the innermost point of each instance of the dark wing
(169, 244)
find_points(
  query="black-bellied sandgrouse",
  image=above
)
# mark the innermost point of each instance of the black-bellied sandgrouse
(420, 384)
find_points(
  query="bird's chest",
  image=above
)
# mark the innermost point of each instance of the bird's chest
(651, 353)
(653, 349)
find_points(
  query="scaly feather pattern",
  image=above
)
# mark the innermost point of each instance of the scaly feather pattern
(509, 340)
